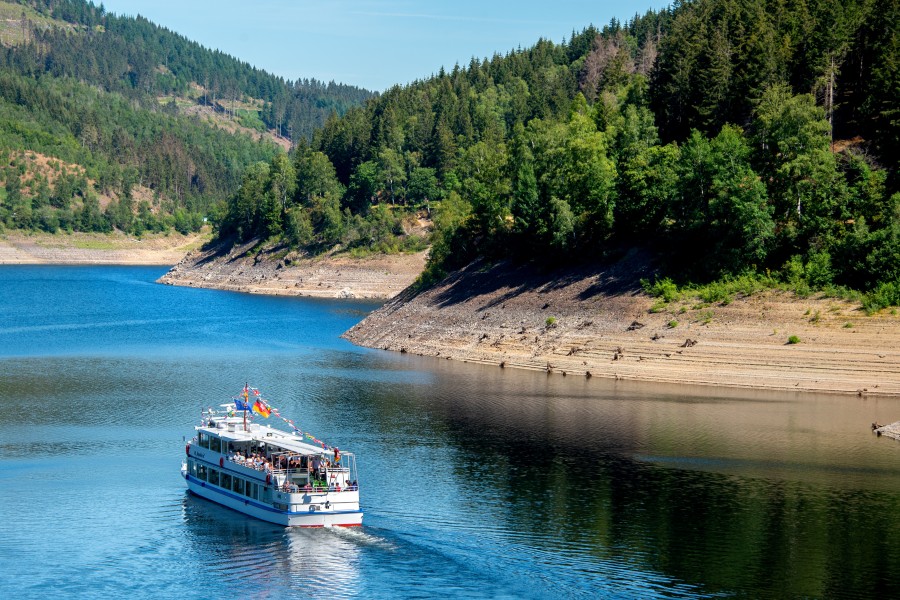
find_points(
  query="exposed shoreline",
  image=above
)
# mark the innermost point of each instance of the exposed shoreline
(587, 322)
(95, 249)
(287, 274)
(597, 323)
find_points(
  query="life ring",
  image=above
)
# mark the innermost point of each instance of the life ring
(221, 461)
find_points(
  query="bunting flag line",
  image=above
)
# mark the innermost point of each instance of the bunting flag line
(264, 409)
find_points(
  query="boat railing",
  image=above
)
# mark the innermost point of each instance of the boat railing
(317, 489)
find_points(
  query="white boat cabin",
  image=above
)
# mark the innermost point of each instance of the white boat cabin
(271, 474)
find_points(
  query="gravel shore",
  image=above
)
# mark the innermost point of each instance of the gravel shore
(598, 323)
(287, 274)
(95, 248)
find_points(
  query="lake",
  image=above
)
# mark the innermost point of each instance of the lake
(476, 481)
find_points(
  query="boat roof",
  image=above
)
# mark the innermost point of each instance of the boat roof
(231, 429)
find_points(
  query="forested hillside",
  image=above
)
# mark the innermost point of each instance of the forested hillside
(733, 137)
(114, 122)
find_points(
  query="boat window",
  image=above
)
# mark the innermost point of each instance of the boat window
(251, 490)
(201, 473)
(238, 486)
(215, 444)
(225, 481)
(204, 440)
(214, 476)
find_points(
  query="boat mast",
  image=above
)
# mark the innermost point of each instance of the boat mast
(246, 402)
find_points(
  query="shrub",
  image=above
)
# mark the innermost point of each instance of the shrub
(886, 294)
(550, 322)
(662, 288)
(793, 340)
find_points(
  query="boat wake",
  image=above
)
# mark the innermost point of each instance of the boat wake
(358, 536)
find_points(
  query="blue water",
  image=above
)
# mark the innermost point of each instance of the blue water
(477, 482)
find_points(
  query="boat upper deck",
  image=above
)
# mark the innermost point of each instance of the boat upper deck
(231, 429)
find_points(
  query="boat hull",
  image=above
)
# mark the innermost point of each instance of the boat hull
(313, 518)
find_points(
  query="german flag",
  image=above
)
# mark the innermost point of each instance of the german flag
(260, 408)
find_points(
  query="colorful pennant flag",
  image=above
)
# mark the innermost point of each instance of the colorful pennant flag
(260, 408)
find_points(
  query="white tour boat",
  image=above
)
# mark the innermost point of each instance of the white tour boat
(287, 478)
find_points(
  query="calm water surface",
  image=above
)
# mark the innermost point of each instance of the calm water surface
(476, 481)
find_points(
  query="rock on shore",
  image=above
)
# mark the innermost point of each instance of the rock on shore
(278, 272)
(598, 323)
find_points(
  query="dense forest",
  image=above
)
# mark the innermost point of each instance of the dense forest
(101, 120)
(141, 60)
(733, 137)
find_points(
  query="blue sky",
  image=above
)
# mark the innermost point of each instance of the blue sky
(373, 43)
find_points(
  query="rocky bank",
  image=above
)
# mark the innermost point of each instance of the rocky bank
(598, 323)
(277, 272)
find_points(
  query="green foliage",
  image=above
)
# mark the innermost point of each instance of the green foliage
(663, 288)
(316, 176)
(90, 94)
(659, 306)
(298, 229)
(423, 186)
(885, 295)
(568, 152)
(793, 340)
(142, 61)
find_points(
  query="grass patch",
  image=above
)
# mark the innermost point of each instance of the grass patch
(95, 245)
(725, 291)
(673, 324)
(793, 340)
(659, 306)
(398, 245)
(848, 325)
(550, 322)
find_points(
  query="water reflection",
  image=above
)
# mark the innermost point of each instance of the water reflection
(477, 482)
(270, 559)
(763, 493)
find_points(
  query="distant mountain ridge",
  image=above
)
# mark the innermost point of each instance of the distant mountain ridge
(142, 128)
(135, 57)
